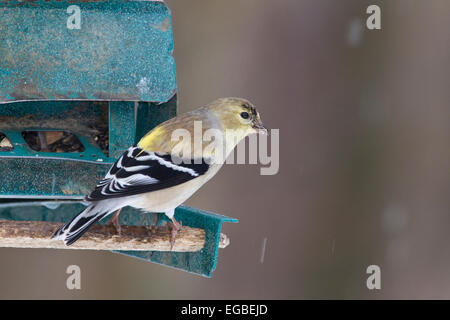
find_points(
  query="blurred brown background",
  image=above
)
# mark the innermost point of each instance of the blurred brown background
(364, 157)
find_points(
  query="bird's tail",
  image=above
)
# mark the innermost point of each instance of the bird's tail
(73, 230)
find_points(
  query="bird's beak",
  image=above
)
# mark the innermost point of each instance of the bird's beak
(260, 127)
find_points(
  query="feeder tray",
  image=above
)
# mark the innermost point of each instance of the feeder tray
(73, 100)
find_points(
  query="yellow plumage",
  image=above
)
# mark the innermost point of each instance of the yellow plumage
(223, 115)
(147, 177)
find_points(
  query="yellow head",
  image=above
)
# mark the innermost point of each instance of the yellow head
(232, 118)
(237, 114)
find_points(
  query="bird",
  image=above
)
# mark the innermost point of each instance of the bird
(155, 176)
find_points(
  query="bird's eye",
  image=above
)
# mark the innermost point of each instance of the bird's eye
(245, 115)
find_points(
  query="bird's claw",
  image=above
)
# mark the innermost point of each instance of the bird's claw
(115, 222)
(117, 227)
(175, 227)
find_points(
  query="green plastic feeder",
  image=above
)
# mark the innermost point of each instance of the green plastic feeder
(112, 79)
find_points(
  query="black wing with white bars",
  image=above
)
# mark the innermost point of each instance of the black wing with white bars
(138, 171)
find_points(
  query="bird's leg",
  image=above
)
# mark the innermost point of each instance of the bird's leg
(115, 221)
(174, 226)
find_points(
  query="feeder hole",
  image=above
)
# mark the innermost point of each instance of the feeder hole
(52, 141)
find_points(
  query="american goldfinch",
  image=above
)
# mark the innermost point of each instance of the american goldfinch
(154, 177)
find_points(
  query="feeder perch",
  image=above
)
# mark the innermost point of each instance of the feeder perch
(73, 100)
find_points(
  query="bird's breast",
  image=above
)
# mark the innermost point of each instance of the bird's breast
(167, 199)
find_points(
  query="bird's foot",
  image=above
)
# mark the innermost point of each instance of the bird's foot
(115, 222)
(175, 226)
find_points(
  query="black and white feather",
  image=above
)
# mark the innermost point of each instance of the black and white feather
(135, 172)
(138, 171)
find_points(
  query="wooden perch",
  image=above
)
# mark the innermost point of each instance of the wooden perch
(36, 234)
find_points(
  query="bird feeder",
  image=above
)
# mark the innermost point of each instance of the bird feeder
(80, 82)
